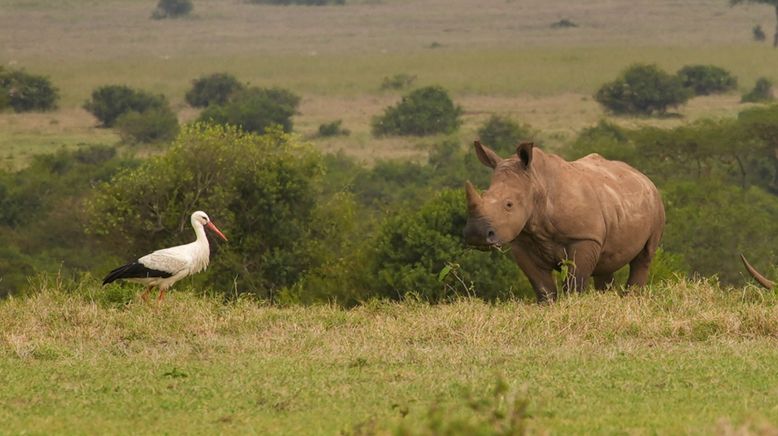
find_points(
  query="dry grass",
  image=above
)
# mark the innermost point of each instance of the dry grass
(680, 358)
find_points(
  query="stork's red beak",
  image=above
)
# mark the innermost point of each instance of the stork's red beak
(216, 230)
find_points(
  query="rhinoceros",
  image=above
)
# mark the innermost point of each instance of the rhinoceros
(592, 215)
(756, 275)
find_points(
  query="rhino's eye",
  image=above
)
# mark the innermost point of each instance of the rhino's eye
(508, 204)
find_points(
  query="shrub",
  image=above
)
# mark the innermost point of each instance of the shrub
(26, 92)
(758, 33)
(563, 23)
(420, 250)
(172, 9)
(153, 125)
(333, 129)
(607, 139)
(763, 91)
(398, 81)
(424, 111)
(216, 88)
(111, 101)
(255, 110)
(642, 89)
(707, 79)
(502, 134)
(263, 191)
(710, 222)
(298, 2)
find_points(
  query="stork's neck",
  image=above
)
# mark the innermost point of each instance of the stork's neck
(200, 232)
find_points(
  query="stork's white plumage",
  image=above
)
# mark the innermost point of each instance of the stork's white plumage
(163, 268)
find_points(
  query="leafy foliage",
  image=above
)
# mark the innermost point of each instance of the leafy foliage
(642, 90)
(26, 92)
(298, 2)
(216, 88)
(424, 111)
(709, 223)
(109, 102)
(172, 9)
(263, 191)
(42, 218)
(502, 134)
(255, 110)
(152, 125)
(763, 91)
(413, 247)
(707, 79)
(333, 128)
(758, 34)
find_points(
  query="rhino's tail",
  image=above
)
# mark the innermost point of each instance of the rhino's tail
(756, 275)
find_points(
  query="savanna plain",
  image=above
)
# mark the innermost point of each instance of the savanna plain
(681, 356)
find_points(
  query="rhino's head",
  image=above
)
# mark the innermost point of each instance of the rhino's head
(499, 215)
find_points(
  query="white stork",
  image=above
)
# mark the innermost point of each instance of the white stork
(164, 267)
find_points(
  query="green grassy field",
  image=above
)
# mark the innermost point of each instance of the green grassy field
(681, 358)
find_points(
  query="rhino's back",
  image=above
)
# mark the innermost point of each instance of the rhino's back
(629, 204)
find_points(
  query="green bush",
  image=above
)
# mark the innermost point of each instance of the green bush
(763, 91)
(172, 9)
(111, 101)
(502, 134)
(709, 223)
(758, 34)
(420, 251)
(298, 2)
(707, 79)
(215, 88)
(424, 111)
(26, 92)
(642, 90)
(255, 110)
(153, 125)
(264, 192)
(333, 129)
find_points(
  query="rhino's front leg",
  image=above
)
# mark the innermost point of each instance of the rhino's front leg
(584, 256)
(541, 278)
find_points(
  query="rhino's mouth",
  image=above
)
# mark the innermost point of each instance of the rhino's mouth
(487, 247)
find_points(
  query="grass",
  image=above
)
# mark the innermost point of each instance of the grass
(688, 357)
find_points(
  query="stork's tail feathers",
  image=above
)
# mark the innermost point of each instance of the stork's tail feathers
(133, 270)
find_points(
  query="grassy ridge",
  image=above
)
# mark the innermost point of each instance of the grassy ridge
(687, 357)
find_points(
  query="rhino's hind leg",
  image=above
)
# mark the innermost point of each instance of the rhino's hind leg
(638, 267)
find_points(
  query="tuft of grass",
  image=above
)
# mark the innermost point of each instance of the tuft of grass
(687, 356)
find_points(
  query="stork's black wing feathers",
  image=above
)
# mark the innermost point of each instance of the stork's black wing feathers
(134, 270)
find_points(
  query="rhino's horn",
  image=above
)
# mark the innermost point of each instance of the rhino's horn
(473, 197)
(755, 274)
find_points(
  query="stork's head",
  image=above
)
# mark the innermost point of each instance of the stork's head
(201, 218)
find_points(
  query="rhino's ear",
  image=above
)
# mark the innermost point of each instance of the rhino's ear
(524, 151)
(486, 155)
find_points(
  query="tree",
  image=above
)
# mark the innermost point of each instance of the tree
(773, 3)
(425, 111)
(644, 90)
(26, 92)
(111, 101)
(262, 191)
(216, 88)
(255, 110)
(172, 9)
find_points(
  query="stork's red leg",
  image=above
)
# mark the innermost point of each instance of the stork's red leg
(161, 295)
